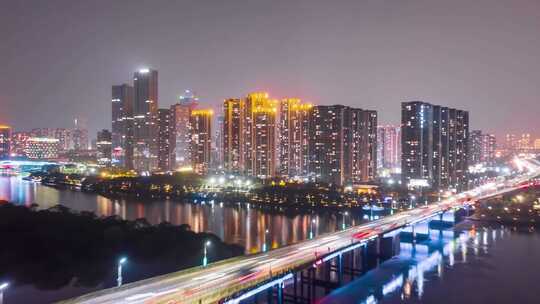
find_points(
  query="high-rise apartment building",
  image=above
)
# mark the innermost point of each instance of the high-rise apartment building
(482, 147)
(260, 135)
(122, 125)
(104, 147)
(233, 135)
(435, 145)
(164, 139)
(181, 135)
(294, 137)
(201, 140)
(145, 115)
(389, 148)
(342, 144)
(5, 141)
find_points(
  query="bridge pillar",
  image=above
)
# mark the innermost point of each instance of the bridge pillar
(340, 269)
(270, 295)
(280, 293)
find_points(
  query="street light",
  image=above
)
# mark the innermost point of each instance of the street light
(3, 287)
(344, 215)
(311, 229)
(265, 237)
(205, 258)
(121, 262)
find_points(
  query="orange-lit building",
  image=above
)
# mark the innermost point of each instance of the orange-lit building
(201, 139)
(233, 135)
(293, 137)
(260, 135)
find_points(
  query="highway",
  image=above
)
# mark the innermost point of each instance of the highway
(223, 279)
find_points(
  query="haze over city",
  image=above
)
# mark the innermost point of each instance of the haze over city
(480, 56)
(262, 152)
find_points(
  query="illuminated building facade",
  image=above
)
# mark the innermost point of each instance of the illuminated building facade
(389, 148)
(164, 139)
(80, 136)
(233, 135)
(41, 148)
(122, 126)
(104, 147)
(201, 140)
(5, 142)
(18, 143)
(145, 115)
(65, 139)
(260, 135)
(435, 146)
(482, 148)
(293, 138)
(181, 136)
(342, 144)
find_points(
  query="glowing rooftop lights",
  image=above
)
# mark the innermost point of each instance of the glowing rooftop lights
(144, 71)
(202, 112)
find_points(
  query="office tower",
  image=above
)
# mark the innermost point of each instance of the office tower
(233, 135)
(80, 135)
(293, 139)
(122, 126)
(342, 144)
(201, 139)
(164, 139)
(260, 135)
(41, 148)
(435, 145)
(145, 115)
(104, 147)
(5, 141)
(389, 148)
(181, 113)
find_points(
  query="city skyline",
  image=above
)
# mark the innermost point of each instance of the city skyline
(429, 69)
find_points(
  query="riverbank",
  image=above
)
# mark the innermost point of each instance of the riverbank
(58, 247)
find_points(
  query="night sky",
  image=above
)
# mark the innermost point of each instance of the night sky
(60, 58)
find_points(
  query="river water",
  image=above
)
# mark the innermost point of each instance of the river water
(475, 263)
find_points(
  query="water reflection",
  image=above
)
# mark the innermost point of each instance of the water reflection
(405, 277)
(240, 224)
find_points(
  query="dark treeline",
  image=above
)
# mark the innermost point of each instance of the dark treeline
(56, 247)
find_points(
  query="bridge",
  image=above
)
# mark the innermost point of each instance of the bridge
(239, 279)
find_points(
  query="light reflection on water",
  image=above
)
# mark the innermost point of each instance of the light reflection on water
(241, 225)
(407, 277)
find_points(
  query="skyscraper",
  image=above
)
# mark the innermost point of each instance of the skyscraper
(122, 125)
(5, 141)
(181, 136)
(233, 135)
(435, 143)
(293, 139)
(260, 135)
(80, 135)
(342, 144)
(201, 140)
(164, 139)
(145, 115)
(104, 147)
